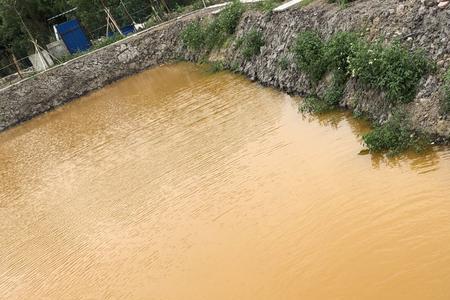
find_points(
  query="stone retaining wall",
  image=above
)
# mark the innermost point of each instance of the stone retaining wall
(420, 24)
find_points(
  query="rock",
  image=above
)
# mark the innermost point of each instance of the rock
(443, 4)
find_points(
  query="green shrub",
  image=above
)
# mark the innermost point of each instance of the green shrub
(216, 66)
(283, 63)
(197, 36)
(314, 104)
(228, 18)
(391, 68)
(251, 43)
(446, 92)
(193, 36)
(338, 49)
(310, 55)
(395, 136)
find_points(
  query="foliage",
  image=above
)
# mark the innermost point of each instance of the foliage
(216, 66)
(251, 43)
(305, 3)
(389, 68)
(314, 104)
(283, 63)
(193, 36)
(341, 2)
(446, 92)
(268, 5)
(223, 25)
(309, 54)
(338, 49)
(197, 37)
(395, 136)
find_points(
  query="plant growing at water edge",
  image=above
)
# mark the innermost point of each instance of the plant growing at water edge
(251, 43)
(395, 136)
(216, 66)
(314, 104)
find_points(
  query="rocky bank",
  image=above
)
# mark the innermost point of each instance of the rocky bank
(421, 24)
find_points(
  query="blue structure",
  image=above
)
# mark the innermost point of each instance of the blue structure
(73, 36)
(126, 30)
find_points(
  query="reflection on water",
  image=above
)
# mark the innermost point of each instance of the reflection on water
(178, 184)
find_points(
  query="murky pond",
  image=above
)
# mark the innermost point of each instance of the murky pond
(179, 184)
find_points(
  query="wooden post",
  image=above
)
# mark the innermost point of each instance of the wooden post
(127, 12)
(109, 15)
(16, 64)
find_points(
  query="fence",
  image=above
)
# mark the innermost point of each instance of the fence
(11, 72)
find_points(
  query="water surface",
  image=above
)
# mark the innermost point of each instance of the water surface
(179, 184)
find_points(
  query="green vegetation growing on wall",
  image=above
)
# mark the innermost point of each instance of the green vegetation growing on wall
(341, 2)
(251, 43)
(193, 36)
(392, 69)
(395, 136)
(446, 92)
(309, 54)
(199, 36)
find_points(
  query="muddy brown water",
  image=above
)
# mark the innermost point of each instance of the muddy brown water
(179, 184)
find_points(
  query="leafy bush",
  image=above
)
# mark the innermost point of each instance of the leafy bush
(309, 54)
(228, 18)
(193, 36)
(314, 104)
(283, 63)
(446, 92)
(216, 66)
(251, 43)
(395, 136)
(338, 49)
(391, 68)
(197, 37)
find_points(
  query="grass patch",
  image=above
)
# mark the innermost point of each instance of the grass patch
(305, 3)
(395, 136)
